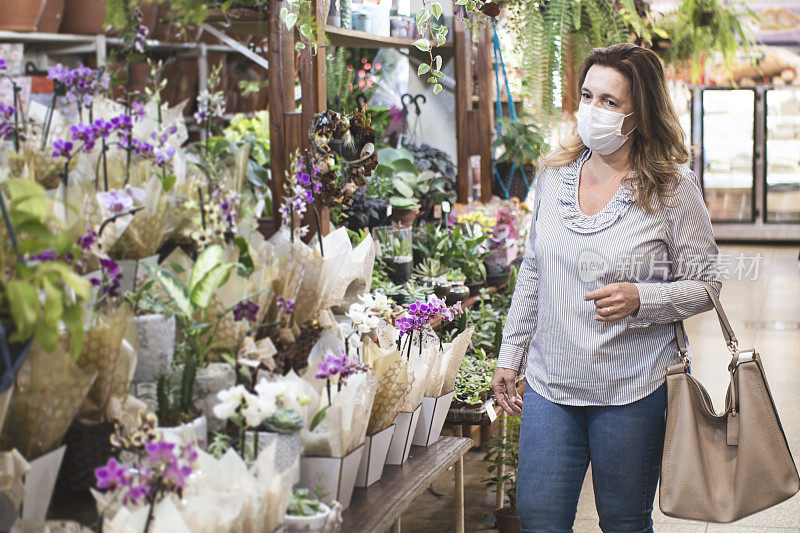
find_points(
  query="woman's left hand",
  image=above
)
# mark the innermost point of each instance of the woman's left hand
(615, 301)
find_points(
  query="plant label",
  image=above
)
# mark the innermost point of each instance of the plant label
(490, 412)
(437, 211)
(388, 210)
(445, 206)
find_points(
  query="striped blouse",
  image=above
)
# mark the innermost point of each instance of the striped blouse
(550, 334)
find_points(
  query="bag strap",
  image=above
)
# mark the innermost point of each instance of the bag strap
(725, 325)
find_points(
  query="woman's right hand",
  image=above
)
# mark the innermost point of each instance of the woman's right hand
(504, 386)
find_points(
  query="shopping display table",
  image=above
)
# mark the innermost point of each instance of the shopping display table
(379, 507)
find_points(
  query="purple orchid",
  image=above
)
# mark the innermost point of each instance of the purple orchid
(245, 310)
(62, 148)
(3, 65)
(115, 201)
(112, 475)
(47, 255)
(287, 306)
(111, 275)
(137, 110)
(332, 365)
(161, 451)
(6, 117)
(86, 241)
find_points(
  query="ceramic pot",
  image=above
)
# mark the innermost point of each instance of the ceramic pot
(51, 18)
(311, 523)
(475, 287)
(404, 217)
(507, 520)
(288, 447)
(458, 293)
(496, 275)
(209, 381)
(21, 15)
(336, 475)
(84, 16)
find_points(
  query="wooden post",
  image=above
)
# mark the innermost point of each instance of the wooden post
(500, 494)
(463, 71)
(459, 479)
(278, 149)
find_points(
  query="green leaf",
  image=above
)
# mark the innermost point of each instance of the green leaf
(283, 14)
(79, 285)
(423, 45)
(403, 203)
(422, 16)
(438, 74)
(202, 292)
(175, 289)
(403, 188)
(423, 68)
(207, 261)
(437, 88)
(432, 79)
(404, 165)
(73, 319)
(318, 418)
(24, 306)
(168, 181)
(470, 5)
(438, 60)
(436, 9)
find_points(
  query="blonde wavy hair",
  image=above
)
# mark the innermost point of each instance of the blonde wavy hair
(658, 140)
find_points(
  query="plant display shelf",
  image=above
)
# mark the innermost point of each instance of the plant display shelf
(361, 39)
(470, 415)
(469, 302)
(379, 507)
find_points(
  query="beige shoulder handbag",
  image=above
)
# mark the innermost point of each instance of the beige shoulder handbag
(723, 467)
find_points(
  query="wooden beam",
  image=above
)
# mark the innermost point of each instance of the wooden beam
(463, 72)
(278, 152)
(483, 69)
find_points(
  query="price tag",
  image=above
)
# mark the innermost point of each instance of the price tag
(489, 407)
(445, 206)
(389, 210)
(437, 211)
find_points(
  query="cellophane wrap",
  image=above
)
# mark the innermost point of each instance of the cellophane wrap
(48, 391)
(393, 385)
(13, 468)
(353, 266)
(319, 274)
(453, 355)
(101, 352)
(141, 234)
(224, 495)
(418, 368)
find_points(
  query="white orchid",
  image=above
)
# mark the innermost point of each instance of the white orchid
(229, 401)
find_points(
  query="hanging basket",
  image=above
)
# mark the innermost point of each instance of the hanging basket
(517, 188)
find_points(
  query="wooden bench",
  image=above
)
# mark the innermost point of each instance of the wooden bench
(379, 507)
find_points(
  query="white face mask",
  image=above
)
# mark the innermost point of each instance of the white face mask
(600, 129)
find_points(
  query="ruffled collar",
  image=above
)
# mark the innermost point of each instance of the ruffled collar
(569, 208)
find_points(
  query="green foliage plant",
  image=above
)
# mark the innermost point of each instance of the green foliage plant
(408, 184)
(522, 143)
(503, 460)
(38, 296)
(301, 504)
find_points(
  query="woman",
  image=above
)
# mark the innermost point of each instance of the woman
(619, 236)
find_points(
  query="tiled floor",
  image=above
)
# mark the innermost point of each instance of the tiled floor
(757, 309)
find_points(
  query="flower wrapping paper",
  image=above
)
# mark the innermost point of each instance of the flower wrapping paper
(393, 385)
(48, 392)
(453, 355)
(101, 351)
(140, 235)
(223, 495)
(13, 468)
(352, 267)
(418, 366)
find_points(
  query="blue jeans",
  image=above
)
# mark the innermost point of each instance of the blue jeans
(623, 443)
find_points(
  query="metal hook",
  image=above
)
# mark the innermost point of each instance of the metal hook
(418, 111)
(405, 104)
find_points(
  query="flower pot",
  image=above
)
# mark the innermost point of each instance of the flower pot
(404, 217)
(400, 269)
(376, 448)
(194, 432)
(53, 13)
(475, 286)
(507, 520)
(441, 289)
(513, 186)
(288, 447)
(292, 523)
(431, 420)
(405, 424)
(39, 484)
(84, 16)
(458, 293)
(496, 275)
(211, 379)
(21, 16)
(336, 475)
(88, 446)
(156, 346)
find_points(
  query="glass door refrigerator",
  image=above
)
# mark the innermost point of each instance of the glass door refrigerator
(728, 153)
(782, 155)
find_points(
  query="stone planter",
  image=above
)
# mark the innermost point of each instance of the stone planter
(336, 475)
(405, 424)
(376, 449)
(211, 379)
(431, 421)
(311, 523)
(156, 346)
(288, 447)
(194, 432)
